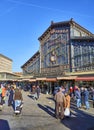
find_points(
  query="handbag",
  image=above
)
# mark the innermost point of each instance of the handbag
(67, 112)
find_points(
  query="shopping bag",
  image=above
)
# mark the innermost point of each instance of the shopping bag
(67, 112)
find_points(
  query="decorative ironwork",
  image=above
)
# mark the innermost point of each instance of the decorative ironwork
(82, 55)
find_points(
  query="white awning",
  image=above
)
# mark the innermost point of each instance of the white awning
(67, 78)
(40, 78)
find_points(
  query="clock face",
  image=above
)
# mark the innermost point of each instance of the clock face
(52, 58)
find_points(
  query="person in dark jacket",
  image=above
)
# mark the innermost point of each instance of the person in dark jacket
(82, 97)
(38, 92)
(86, 94)
(11, 94)
(1, 98)
(17, 97)
(78, 97)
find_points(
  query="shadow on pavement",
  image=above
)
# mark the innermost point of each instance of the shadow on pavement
(50, 98)
(31, 96)
(47, 109)
(4, 125)
(79, 120)
(50, 108)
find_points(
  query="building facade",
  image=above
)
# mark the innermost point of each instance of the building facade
(32, 66)
(66, 51)
(5, 64)
(66, 47)
(6, 73)
(82, 54)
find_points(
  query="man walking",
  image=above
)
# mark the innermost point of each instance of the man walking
(38, 92)
(86, 94)
(59, 104)
(17, 98)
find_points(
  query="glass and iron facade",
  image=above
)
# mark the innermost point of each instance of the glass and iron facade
(55, 50)
(82, 54)
(66, 46)
(32, 66)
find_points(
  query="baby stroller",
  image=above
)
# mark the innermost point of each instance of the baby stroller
(19, 108)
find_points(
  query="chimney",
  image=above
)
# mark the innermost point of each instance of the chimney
(52, 22)
(71, 19)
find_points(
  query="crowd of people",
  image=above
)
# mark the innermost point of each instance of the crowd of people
(11, 95)
(63, 98)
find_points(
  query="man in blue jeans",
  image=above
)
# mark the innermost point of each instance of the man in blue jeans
(86, 94)
(18, 99)
(78, 97)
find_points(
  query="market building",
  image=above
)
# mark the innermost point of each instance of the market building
(32, 66)
(66, 51)
(68, 46)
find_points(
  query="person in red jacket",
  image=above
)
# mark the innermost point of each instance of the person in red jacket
(67, 106)
(4, 89)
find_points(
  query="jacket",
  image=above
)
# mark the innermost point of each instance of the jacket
(18, 95)
(67, 101)
(59, 97)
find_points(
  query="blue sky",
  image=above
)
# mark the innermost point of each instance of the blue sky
(23, 21)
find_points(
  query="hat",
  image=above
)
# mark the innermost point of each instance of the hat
(59, 88)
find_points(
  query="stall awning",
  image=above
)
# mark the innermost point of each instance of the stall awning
(51, 79)
(32, 80)
(25, 79)
(67, 78)
(40, 79)
(84, 79)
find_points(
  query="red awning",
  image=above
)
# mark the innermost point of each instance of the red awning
(84, 79)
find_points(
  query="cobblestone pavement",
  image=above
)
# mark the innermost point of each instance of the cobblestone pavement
(39, 115)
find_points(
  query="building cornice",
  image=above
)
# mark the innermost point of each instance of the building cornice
(31, 59)
(1, 55)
